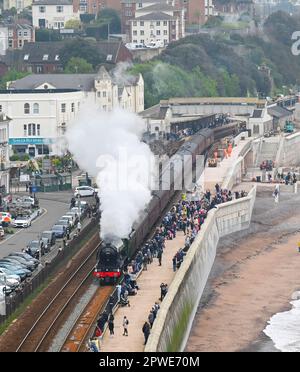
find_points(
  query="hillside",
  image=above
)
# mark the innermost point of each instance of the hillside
(225, 64)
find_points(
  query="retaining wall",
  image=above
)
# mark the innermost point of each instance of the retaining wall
(291, 153)
(173, 323)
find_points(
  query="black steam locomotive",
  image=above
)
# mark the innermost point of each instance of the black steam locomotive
(113, 255)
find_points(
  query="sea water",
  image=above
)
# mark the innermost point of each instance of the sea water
(284, 328)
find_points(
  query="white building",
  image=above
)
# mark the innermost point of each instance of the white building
(18, 4)
(52, 14)
(41, 106)
(157, 22)
(38, 117)
(4, 154)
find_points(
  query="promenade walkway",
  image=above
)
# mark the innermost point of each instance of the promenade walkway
(141, 304)
(218, 174)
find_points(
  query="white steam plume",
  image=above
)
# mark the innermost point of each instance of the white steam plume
(108, 146)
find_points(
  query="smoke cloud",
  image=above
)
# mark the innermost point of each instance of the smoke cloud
(108, 146)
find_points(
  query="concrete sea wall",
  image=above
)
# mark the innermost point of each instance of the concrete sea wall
(173, 323)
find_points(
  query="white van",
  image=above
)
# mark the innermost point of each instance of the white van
(135, 46)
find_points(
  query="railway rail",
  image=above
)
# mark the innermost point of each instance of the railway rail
(40, 334)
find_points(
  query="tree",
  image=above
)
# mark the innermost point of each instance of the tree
(110, 17)
(12, 75)
(81, 48)
(73, 24)
(78, 65)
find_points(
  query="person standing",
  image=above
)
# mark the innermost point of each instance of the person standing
(125, 326)
(111, 324)
(174, 262)
(78, 227)
(146, 331)
(159, 256)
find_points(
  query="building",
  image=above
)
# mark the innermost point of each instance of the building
(18, 4)
(44, 57)
(102, 88)
(39, 117)
(4, 154)
(52, 14)
(280, 115)
(157, 22)
(87, 6)
(197, 11)
(260, 122)
(15, 35)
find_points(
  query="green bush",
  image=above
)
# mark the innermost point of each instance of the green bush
(14, 157)
(24, 157)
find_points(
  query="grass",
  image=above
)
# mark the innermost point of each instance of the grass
(180, 329)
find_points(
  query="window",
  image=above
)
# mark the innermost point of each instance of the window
(104, 94)
(140, 5)
(25, 33)
(19, 33)
(134, 33)
(25, 130)
(20, 43)
(26, 57)
(63, 128)
(165, 23)
(31, 130)
(63, 107)
(99, 94)
(158, 23)
(26, 108)
(10, 43)
(56, 57)
(142, 23)
(36, 108)
(42, 9)
(157, 32)
(109, 58)
(45, 57)
(134, 23)
(72, 107)
(55, 24)
(142, 33)
(38, 130)
(165, 32)
(0, 108)
(59, 9)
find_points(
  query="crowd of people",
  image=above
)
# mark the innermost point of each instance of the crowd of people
(185, 216)
(289, 178)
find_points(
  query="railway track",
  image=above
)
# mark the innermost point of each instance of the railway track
(40, 335)
(85, 324)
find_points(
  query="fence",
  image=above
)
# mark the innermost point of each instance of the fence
(14, 301)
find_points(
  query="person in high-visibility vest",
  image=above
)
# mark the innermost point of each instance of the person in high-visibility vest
(183, 196)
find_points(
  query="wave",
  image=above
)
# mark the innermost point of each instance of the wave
(284, 328)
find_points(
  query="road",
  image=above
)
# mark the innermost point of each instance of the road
(54, 206)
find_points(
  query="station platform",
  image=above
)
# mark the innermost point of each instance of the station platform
(141, 304)
(212, 176)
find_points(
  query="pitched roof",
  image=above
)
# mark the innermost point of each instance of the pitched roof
(155, 16)
(257, 113)
(83, 82)
(156, 112)
(279, 112)
(52, 2)
(37, 51)
(159, 7)
(103, 74)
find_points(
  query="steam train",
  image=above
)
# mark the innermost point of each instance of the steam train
(114, 254)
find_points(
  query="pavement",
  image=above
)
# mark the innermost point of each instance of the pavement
(54, 205)
(141, 304)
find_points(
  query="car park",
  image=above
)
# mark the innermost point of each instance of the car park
(22, 221)
(14, 261)
(49, 236)
(85, 191)
(59, 230)
(11, 271)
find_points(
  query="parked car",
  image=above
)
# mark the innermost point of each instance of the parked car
(10, 275)
(6, 289)
(34, 247)
(26, 256)
(29, 264)
(48, 236)
(13, 267)
(85, 191)
(59, 231)
(14, 261)
(9, 281)
(22, 221)
(65, 223)
(74, 216)
(18, 273)
(80, 212)
(69, 219)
